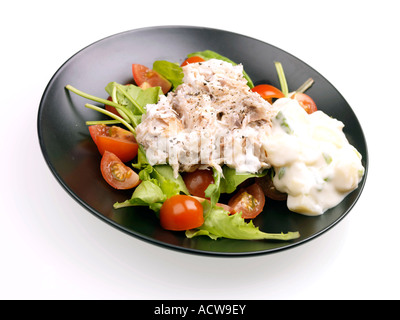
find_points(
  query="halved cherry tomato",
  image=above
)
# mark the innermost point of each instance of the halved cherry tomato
(116, 140)
(306, 102)
(145, 78)
(181, 212)
(116, 173)
(198, 181)
(190, 60)
(250, 201)
(268, 92)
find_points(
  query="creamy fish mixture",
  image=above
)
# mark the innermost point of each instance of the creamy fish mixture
(213, 119)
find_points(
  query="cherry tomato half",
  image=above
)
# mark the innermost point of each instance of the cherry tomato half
(198, 181)
(181, 212)
(306, 102)
(190, 60)
(268, 92)
(116, 173)
(250, 201)
(116, 140)
(145, 78)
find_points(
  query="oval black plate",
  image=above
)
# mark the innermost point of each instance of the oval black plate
(74, 160)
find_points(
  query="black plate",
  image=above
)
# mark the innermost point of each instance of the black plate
(74, 159)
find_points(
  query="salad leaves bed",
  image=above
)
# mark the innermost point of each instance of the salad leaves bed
(158, 183)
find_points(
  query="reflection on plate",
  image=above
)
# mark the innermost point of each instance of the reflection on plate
(74, 159)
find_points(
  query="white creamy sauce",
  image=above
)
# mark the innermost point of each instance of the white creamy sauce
(213, 119)
(313, 161)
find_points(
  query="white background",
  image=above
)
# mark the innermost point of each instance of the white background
(52, 248)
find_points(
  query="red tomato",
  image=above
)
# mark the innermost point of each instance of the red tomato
(116, 173)
(306, 102)
(250, 201)
(180, 213)
(192, 60)
(198, 181)
(145, 77)
(116, 140)
(110, 108)
(268, 92)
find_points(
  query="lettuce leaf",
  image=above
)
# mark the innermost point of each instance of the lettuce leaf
(169, 184)
(219, 224)
(208, 54)
(158, 184)
(132, 97)
(232, 179)
(213, 191)
(227, 182)
(142, 161)
(147, 193)
(171, 71)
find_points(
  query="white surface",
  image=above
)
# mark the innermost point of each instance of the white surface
(51, 248)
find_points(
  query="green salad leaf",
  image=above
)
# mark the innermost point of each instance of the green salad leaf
(133, 99)
(170, 71)
(232, 179)
(129, 100)
(219, 224)
(169, 184)
(159, 185)
(141, 159)
(227, 182)
(213, 191)
(147, 193)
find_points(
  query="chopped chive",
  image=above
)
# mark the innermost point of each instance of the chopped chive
(281, 173)
(283, 123)
(327, 157)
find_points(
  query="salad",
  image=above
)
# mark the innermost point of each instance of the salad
(205, 149)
